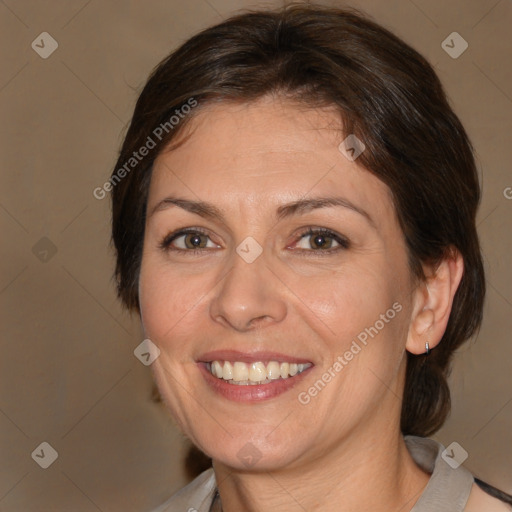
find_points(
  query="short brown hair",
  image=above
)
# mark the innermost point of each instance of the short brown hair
(387, 95)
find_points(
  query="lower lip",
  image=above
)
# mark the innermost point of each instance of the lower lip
(251, 392)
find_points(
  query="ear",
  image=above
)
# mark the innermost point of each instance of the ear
(432, 303)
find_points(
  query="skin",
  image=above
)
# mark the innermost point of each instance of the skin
(344, 448)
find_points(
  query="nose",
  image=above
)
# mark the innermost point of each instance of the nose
(249, 297)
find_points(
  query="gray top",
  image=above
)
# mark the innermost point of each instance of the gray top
(447, 490)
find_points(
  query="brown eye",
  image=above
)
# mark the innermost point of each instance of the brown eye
(320, 241)
(195, 240)
(188, 240)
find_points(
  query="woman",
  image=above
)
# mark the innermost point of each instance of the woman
(294, 218)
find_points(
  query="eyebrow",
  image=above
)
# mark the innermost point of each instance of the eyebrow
(305, 205)
(200, 208)
(299, 207)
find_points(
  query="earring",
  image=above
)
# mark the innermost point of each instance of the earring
(427, 349)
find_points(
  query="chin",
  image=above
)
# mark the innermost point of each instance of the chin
(252, 451)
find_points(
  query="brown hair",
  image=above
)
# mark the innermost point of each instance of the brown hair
(387, 95)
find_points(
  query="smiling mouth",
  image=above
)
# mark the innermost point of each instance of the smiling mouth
(256, 373)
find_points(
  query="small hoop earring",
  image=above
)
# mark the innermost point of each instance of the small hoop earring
(427, 349)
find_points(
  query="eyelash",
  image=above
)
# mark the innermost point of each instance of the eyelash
(165, 244)
(343, 242)
(313, 231)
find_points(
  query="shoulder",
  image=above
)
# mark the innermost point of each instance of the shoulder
(481, 501)
(197, 495)
(452, 488)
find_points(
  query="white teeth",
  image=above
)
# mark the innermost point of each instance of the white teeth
(227, 371)
(217, 369)
(240, 371)
(257, 372)
(273, 371)
(254, 373)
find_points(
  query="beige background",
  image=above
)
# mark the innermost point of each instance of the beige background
(68, 374)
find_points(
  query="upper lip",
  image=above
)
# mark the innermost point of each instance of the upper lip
(249, 357)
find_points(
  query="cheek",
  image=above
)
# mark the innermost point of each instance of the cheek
(361, 318)
(345, 302)
(168, 302)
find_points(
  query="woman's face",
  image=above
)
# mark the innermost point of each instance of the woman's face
(269, 252)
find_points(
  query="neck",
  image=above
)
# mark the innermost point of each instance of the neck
(368, 473)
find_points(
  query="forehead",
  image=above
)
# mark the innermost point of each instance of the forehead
(265, 152)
